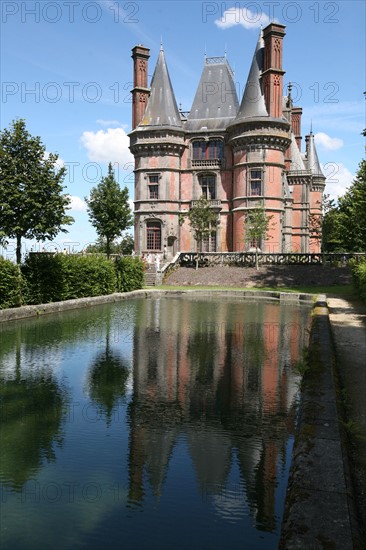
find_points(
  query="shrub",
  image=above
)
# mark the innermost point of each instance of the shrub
(11, 284)
(130, 273)
(57, 277)
(45, 278)
(359, 277)
(87, 276)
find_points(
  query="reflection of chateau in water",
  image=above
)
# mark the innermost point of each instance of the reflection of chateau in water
(222, 379)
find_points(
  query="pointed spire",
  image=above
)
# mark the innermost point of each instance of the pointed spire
(161, 107)
(253, 104)
(313, 163)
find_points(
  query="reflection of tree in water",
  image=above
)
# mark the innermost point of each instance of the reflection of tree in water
(107, 380)
(33, 406)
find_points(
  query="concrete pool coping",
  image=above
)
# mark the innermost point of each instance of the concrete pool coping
(319, 509)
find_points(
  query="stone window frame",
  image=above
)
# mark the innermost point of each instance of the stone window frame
(205, 175)
(153, 182)
(207, 153)
(251, 179)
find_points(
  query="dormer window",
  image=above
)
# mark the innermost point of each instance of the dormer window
(208, 150)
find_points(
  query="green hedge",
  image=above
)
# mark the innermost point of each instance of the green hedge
(11, 284)
(58, 277)
(130, 273)
(359, 277)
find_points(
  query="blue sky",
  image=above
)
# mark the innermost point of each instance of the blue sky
(66, 68)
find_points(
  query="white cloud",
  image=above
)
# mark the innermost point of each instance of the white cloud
(77, 204)
(244, 17)
(106, 146)
(131, 205)
(327, 142)
(339, 178)
(108, 123)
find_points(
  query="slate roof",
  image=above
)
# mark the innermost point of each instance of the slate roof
(215, 104)
(297, 162)
(161, 109)
(253, 104)
(312, 161)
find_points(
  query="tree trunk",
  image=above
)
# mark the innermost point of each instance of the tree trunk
(256, 260)
(19, 249)
(108, 248)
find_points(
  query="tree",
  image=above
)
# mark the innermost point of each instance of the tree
(203, 221)
(352, 210)
(108, 209)
(257, 224)
(31, 201)
(124, 246)
(324, 226)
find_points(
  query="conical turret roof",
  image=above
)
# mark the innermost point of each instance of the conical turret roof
(161, 109)
(253, 103)
(313, 163)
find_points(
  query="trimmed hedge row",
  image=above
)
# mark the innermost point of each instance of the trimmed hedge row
(359, 277)
(11, 284)
(56, 277)
(130, 274)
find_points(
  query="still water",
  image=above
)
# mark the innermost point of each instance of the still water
(153, 423)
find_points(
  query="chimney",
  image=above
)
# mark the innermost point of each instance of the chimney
(296, 113)
(273, 74)
(140, 92)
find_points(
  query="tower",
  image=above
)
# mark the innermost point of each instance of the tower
(157, 144)
(259, 137)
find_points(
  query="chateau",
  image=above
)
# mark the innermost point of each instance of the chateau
(239, 155)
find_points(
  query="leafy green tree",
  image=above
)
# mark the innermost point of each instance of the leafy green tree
(124, 246)
(352, 210)
(108, 209)
(257, 224)
(203, 221)
(31, 201)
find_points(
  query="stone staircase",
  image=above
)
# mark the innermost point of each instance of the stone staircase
(150, 276)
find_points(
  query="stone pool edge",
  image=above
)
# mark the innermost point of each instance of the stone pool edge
(320, 510)
(24, 312)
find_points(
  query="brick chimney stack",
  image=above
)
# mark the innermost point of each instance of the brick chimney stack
(296, 113)
(140, 92)
(273, 74)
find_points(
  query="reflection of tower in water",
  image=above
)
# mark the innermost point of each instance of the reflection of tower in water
(224, 385)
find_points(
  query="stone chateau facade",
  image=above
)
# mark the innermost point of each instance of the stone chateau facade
(238, 155)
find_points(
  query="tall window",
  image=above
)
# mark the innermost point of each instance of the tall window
(203, 150)
(208, 184)
(153, 186)
(255, 182)
(153, 236)
(209, 243)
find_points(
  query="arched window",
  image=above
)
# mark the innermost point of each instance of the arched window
(208, 185)
(153, 236)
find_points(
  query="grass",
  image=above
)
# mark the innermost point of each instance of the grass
(330, 290)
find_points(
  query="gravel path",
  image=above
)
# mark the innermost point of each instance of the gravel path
(348, 322)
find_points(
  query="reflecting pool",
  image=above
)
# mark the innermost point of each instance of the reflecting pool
(151, 423)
